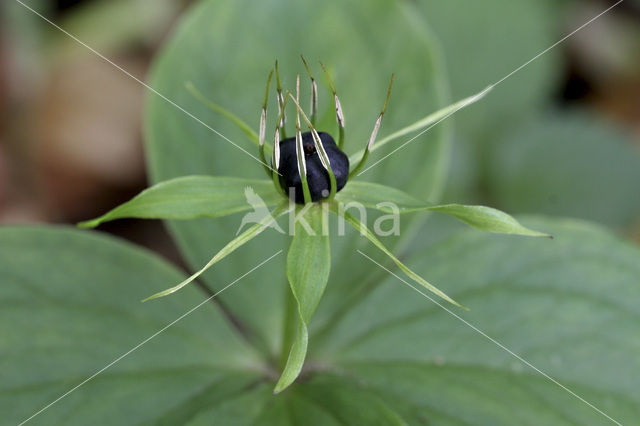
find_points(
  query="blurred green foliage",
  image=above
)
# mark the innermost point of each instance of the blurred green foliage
(567, 164)
(505, 152)
(71, 307)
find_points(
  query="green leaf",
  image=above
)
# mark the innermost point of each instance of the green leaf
(567, 164)
(246, 236)
(569, 307)
(364, 231)
(308, 267)
(377, 196)
(346, 402)
(190, 197)
(176, 145)
(71, 305)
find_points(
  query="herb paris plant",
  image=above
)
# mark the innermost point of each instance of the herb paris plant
(308, 176)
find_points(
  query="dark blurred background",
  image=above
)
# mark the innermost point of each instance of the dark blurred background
(71, 149)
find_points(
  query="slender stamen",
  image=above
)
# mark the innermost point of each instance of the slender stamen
(339, 114)
(314, 93)
(324, 158)
(302, 162)
(281, 97)
(275, 158)
(263, 125)
(374, 134)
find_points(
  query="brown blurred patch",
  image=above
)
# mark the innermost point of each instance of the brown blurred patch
(604, 61)
(87, 142)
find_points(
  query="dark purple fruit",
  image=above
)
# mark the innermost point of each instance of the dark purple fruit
(317, 176)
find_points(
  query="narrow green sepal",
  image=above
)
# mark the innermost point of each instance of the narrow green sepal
(192, 197)
(231, 246)
(366, 232)
(392, 200)
(308, 267)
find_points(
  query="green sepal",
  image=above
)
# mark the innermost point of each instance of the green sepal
(366, 232)
(191, 197)
(308, 267)
(392, 200)
(231, 246)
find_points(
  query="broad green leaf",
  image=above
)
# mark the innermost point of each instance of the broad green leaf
(567, 306)
(71, 305)
(327, 400)
(365, 232)
(567, 164)
(200, 51)
(382, 197)
(190, 197)
(251, 232)
(346, 401)
(308, 266)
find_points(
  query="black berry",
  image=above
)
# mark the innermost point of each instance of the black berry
(317, 176)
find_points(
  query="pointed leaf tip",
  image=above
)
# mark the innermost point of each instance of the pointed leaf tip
(88, 224)
(488, 219)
